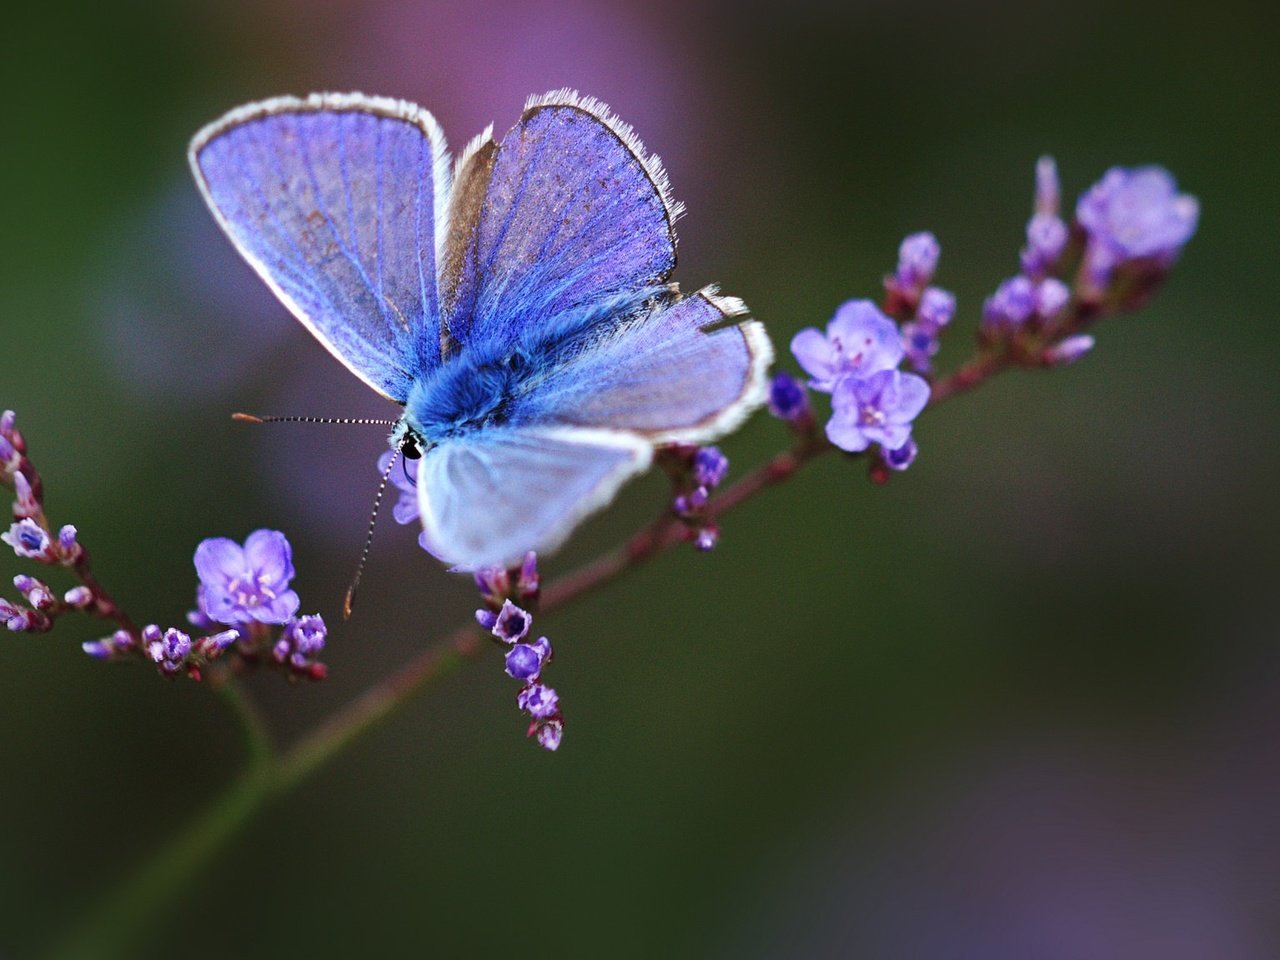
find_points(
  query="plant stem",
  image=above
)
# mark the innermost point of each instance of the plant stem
(115, 927)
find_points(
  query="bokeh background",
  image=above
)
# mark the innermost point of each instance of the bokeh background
(1024, 702)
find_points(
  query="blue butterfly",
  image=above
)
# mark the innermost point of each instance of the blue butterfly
(516, 303)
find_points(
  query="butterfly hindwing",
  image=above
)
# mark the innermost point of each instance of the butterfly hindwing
(338, 202)
(572, 212)
(488, 497)
(685, 370)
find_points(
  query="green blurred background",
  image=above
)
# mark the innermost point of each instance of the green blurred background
(1024, 702)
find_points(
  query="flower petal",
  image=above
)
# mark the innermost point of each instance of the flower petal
(269, 556)
(219, 560)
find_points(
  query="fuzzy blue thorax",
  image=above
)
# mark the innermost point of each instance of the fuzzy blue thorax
(485, 384)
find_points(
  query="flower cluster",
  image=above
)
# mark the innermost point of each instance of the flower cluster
(243, 601)
(856, 361)
(924, 310)
(695, 472)
(246, 590)
(1129, 229)
(524, 659)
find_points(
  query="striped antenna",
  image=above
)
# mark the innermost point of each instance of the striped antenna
(348, 602)
(251, 418)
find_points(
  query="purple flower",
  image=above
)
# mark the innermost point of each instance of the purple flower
(1046, 239)
(538, 701)
(920, 342)
(860, 341)
(511, 623)
(707, 538)
(1011, 305)
(68, 545)
(243, 584)
(917, 261)
(301, 641)
(524, 661)
(28, 539)
(1051, 296)
(788, 399)
(1137, 213)
(118, 644)
(549, 734)
(528, 581)
(878, 409)
(168, 651)
(25, 502)
(405, 479)
(35, 592)
(10, 458)
(1048, 191)
(901, 458)
(937, 307)
(1068, 351)
(709, 467)
(78, 597)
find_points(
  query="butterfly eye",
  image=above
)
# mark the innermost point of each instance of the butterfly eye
(409, 449)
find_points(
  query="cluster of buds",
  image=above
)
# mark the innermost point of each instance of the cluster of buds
(922, 309)
(243, 602)
(509, 596)
(1128, 231)
(695, 472)
(32, 536)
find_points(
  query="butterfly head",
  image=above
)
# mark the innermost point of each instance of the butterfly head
(409, 442)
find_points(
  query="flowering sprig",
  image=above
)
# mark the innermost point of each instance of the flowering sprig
(243, 601)
(503, 591)
(1129, 230)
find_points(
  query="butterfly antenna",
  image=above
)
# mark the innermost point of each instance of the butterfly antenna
(348, 602)
(251, 418)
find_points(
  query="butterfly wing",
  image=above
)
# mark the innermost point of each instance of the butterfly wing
(567, 210)
(686, 370)
(338, 202)
(489, 497)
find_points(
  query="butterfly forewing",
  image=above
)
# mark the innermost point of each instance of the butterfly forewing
(573, 212)
(336, 201)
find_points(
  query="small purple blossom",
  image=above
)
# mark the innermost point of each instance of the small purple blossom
(523, 662)
(549, 734)
(1013, 303)
(879, 409)
(788, 398)
(10, 458)
(539, 701)
(707, 538)
(511, 623)
(35, 592)
(917, 260)
(1052, 296)
(710, 467)
(528, 581)
(69, 546)
(688, 504)
(920, 343)
(170, 650)
(25, 504)
(1048, 190)
(860, 341)
(301, 641)
(28, 539)
(118, 644)
(936, 308)
(494, 584)
(1068, 351)
(78, 597)
(1046, 239)
(244, 584)
(1133, 214)
(902, 457)
(405, 479)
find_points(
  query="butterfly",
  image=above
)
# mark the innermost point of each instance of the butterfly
(516, 302)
